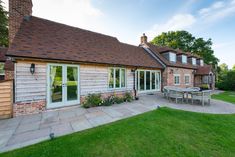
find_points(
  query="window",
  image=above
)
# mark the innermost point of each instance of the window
(148, 80)
(201, 62)
(205, 79)
(187, 79)
(172, 57)
(117, 78)
(177, 79)
(2, 71)
(184, 59)
(194, 61)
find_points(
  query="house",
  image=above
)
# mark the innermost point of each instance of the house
(205, 76)
(56, 65)
(182, 69)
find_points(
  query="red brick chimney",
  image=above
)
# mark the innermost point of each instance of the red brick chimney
(18, 9)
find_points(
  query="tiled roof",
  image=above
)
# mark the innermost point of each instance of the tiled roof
(157, 50)
(44, 39)
(204, 70)
(3, 51)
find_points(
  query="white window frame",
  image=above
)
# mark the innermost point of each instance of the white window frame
(194, 61)
(2, 74)
(184, 59)
(176, 75)
(114, 78)
(172, 57)
(157, 74)
(187, 75)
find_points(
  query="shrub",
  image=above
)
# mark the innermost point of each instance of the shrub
(109, 101)
(128, 97)
(204, 87)
(92, 100)
(118, 100)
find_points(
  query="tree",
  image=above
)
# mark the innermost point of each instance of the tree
(3, 26)
(226, 78)
(233, 68)
(188, 43)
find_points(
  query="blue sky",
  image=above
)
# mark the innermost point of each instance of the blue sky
(128, 19)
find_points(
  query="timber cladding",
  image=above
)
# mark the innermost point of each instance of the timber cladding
(6, 99)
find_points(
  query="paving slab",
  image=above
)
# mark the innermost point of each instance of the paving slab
(80, 124)
(62, 129)
(34, 118)
(28, 127)
(28, 136)
(104, 119)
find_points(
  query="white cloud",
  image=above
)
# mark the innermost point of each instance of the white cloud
(213, 7)
(217, 11)
(177, 22)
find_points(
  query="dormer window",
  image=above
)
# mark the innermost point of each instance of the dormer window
(184, 59)
(194, 61)
(172, 57)
(201, 62)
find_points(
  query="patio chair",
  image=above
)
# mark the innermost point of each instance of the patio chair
(202, 96)
(166, 91)
(176, 95)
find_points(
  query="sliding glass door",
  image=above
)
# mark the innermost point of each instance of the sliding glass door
(63, 85)
(148, 80)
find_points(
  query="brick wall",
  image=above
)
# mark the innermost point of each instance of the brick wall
(31, 107)
(168, 76)
(17, 10)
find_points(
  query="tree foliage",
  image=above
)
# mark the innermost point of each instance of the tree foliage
(3, 26)
(226, 78)
(188, 43)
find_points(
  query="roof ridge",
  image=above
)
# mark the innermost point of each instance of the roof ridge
(183, 52)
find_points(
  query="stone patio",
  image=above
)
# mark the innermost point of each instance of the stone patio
(26, 130)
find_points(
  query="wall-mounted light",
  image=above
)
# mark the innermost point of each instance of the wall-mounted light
(32, 68)
(194, 72)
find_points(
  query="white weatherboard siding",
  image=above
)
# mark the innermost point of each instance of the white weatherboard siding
(94, 79)
(30, 87)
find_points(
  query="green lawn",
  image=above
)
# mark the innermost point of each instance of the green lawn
(225, 96)
(163, 132)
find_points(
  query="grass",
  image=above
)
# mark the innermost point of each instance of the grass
(163, 132)
(225, 96)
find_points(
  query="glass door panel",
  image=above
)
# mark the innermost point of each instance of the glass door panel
(148, 80)
(72, 83)
(56, 84)
(158, 80)
(142, 80)
(153, 80)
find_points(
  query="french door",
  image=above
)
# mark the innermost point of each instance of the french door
(63, 85)
(148, 80)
